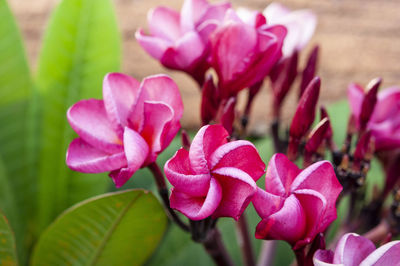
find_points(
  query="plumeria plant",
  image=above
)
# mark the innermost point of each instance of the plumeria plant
(219, 172)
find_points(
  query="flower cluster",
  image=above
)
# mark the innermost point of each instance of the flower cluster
(127, 129)
(215, 175)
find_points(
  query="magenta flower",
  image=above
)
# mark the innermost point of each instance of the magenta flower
(296, 204)
(300, 25)
(238, 63)
(180, 40)
(215, 177)
(384, 122)
(128, 129)
(355, 250)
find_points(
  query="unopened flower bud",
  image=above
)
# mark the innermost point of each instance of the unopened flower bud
(185, 139)
(369, 102)
(282, 77)
(309, 70)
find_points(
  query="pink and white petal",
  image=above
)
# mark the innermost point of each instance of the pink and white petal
(320, 177)
(153, 45)
(240, 154)
(387, 106)
(275, 11)
(191, 12)
(83, 157)
(251, 17)
(352, 249)
(120, 92)
(187, 51)
(136, 149)
(324, 258)
(206, 141)
(280, 174)
(388, 254)
(287, 224)
(157, 118)
(121, 176)
(164, 22)
(179, 174)
(89, 119)
(197, 208)
(215, 12)
(266, 203)
(162, 88)
(237, 190)
(355, 96)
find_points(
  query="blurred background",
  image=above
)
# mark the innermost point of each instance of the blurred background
(359, 40)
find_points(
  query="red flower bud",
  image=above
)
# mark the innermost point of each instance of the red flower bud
(304, 116)
(185, 139)
(309, 70)
(369, 101)
(282, 77)
(228, 114)
(317, 135)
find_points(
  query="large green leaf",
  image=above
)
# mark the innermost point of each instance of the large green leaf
(81, 45)
(120, 228)
(8, 255)
(17, 142)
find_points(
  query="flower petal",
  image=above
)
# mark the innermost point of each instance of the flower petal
(206, 141)
(280, 174)
(136, 149)
(89, 119)
(240, 154)
(352, 249)
(320, 177)
(164, 23)
(287, 224)
(387, 106)
(179, 174)
(191, 12)
(153, 45)
(120, 92)
(197, 208)
(156, 127)
(251, 17)
(186, 53)
(324, 258)
(388, 254)
(121, 176)
(230, 55)
(317, 214)
(266, 203)
(83, 157)
(162, 88)
(237, 189)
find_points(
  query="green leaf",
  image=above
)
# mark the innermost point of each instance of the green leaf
(81, 45)
(17, 142)
(121, 228)
(8, 255)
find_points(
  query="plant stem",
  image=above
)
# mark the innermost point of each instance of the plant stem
(244, 241)
(300, 257)
(163, 192)
(216, 249)
(267, 253)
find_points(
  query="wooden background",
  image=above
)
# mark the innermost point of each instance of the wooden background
(359, 39)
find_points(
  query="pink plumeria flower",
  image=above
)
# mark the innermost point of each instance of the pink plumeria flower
(296, 204)
(355, 250)
(180, 40)
(384, 122)
(127, 129)
(215, 177)
(300, 25)
(238, 63)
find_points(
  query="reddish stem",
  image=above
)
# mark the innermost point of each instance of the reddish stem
(244, 241)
